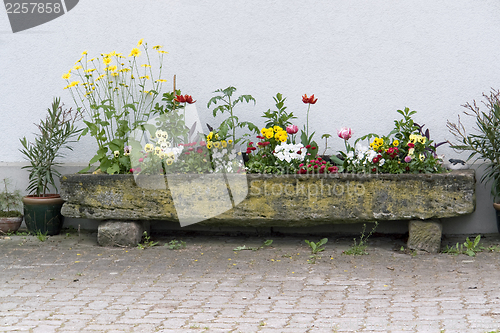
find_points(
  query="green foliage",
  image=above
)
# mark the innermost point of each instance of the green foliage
(42, 237)
(280, 117)
(326, 137)
(469, 248)
(10, 202)
(266, 243)
(116, 100)
(56, 132)
(406, 149)
(226, 105)
(175, 245)
(146, 241)
(359, 248)
(170, 118)
(484, 144)
(317, 247)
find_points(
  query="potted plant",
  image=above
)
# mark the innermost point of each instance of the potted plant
(42, 209)
(484, 144)
(10, 206)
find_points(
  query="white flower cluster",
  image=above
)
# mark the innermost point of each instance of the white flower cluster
(362, 155)
(288, 152)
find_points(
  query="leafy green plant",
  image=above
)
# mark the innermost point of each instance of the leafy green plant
(280, 117)
(406, 149)
(10, 202)
(170, 119)
(359, 248)
(227, 105)
(483, 145)
(317, 247)
(469, 248)
(147, 242)
(117, 95)
(244, 247)
(56, 132)
(176, 245)
(42, 237)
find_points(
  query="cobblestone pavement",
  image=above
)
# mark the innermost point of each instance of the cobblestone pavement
(70, 284)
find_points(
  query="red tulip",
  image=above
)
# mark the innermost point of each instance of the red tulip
(309, 100)
(184, 99)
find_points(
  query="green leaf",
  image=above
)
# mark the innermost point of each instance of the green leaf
(114, 168)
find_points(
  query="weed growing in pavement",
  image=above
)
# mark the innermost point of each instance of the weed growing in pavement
(244, 247)
(358, 249)
(17, 233)
(41, 237)
(315, 249)
(147, 242)
(493, 248)
(175, 245)
(469, 248)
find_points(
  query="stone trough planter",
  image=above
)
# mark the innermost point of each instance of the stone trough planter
(269, 201)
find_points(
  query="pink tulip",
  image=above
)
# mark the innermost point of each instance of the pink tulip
(344, 133)
(292, 129)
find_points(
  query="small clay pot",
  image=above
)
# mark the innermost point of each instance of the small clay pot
(10, 224)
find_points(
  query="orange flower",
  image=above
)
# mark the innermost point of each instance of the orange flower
(309, 100)
(184, 99)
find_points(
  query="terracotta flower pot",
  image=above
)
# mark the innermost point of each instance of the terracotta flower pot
(43, 214)
(10, 224)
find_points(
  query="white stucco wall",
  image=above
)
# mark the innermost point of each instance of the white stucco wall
(362, 59)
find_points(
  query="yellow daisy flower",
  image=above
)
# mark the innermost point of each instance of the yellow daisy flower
(140, 42)
(161, 80)
(66, 76)
(106, 60)
(157, 47)
(135, 52)
(145, 65)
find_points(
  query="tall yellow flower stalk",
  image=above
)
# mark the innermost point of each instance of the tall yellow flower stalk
(117, 93)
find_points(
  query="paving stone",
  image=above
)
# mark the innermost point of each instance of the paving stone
(157, 289)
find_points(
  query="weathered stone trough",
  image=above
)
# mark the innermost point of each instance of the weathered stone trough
(269, 201)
